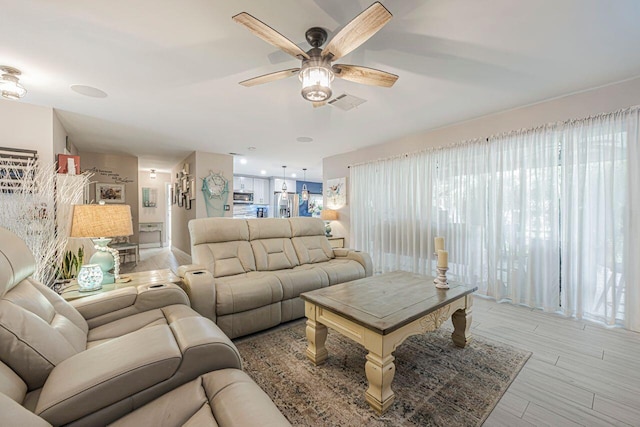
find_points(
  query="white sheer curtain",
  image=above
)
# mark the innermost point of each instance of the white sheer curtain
(396, 232)
(600, 218)
(547, 217)
(523, 224)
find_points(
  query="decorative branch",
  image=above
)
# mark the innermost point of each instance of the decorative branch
(37, 205)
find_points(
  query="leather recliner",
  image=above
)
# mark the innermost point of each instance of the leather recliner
(92, 362)
(226, 397)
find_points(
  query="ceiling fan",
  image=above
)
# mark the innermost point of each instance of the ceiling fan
(316, 71)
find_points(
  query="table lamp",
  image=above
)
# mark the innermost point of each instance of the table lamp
(101, 223)
(328, 215)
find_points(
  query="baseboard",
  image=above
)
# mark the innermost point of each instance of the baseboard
(181, 252)
(152, 245)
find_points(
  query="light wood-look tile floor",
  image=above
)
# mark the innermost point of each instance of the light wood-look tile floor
(580, 373)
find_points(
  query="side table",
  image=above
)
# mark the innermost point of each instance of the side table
(151, 277)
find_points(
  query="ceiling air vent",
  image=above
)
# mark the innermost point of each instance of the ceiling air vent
(347, 102)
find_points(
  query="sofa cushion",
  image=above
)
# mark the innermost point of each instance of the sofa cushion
(225, 259)
(268, 228)
(217, 230)
(246, 291)
(221, 245)
(274, 254)
(227, 397)
(312, 249)
(34, 336)
(338, 270)
(296, 281)
(304, 226)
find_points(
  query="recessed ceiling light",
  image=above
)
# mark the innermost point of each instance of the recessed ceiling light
(243, 161)
(263, 172)
(88, 91)
(293, 175)
(251, 148)
(305, 139)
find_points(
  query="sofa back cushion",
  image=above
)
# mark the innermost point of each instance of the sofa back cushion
(271, 242)
(222, 245)
(309, 240)
(11, 384)
(274, 254)
(38, 330)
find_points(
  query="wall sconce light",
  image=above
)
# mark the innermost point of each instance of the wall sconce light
(152, 174)
(10, 86)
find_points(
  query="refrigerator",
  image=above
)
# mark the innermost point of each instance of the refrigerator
(285, 208)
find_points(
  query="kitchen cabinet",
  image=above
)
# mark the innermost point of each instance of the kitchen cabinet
(260, 191)
(242, 184)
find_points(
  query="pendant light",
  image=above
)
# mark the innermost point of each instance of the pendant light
(284, 195)
(304, 193)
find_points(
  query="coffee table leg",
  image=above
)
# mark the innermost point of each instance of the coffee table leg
(316, 335)
(380, 372)
(461, 320)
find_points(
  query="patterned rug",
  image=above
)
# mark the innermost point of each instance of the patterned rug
(436, 383)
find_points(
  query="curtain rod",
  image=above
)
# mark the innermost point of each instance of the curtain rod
(500, 135)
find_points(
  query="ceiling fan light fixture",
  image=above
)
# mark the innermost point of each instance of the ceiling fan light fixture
(10, 86)
(316, 83)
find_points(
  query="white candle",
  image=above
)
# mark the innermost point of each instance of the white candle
(439, 242)
(443, 259)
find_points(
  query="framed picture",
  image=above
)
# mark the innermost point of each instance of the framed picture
(180, 198)
(336, 193)
(109, 193)
(192, 189)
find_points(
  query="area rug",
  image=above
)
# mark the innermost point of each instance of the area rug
(436, 383)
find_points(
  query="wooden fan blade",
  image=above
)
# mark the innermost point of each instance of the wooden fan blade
(357, 31)
(319, 104)
(266, 78)
(364, 75)
(269, 35)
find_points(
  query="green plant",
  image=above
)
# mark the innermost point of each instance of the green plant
(70, 266)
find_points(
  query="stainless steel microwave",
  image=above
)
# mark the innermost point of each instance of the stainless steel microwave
(240, 197)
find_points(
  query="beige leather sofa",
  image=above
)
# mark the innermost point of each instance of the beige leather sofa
(226, 397)
(248, 274)
(98, 359)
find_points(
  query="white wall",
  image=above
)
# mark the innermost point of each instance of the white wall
(579, 105)
(27, 127)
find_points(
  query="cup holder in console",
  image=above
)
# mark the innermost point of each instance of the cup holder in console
(159, 285)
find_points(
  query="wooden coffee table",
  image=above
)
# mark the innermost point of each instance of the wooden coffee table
(380, 312)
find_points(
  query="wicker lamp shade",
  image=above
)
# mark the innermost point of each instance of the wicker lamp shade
(101, 221)
(328, 214)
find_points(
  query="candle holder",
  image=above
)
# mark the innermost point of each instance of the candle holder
(435, 255)
(441, 280)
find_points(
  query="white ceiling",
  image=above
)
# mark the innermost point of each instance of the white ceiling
(171, 68)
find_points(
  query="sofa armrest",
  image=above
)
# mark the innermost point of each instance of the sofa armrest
(200, 287)
(187, 268)
(113, 305)
(108, 373)
(362, 257)
(14, 414)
